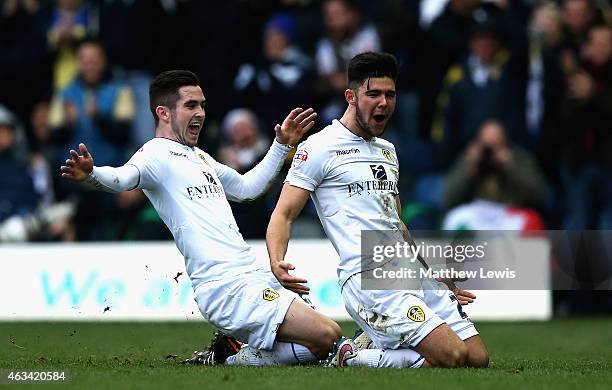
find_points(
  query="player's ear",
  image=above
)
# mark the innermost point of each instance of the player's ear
(349, 96)
(162, 113)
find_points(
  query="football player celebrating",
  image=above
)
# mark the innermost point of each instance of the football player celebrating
(351, 175)
(190, 191)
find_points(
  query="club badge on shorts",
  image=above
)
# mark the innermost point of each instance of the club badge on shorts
(416, 314)
(270, 294)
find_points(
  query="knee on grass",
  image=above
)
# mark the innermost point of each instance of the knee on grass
(478, 358)
(325, 339)
(452, 358)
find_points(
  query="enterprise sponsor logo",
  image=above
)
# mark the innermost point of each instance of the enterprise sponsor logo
(205, 191)
(370, 186)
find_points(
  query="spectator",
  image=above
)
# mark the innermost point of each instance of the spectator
(23, 189)
(347, 35)
(447, 42)
(69, 24)
(585, 135)
(280, 78)
(98, 108)
(17, 196)
(493, 169)
(484, 85)
(545, 85)
(245, 146)
(42, 143)
(245, 143)
(94, 107)
(25, 63)
(43, 153)
(578, 16)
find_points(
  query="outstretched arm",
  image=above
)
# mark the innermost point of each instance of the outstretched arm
(109, 179)
(290, 204)
(255, 182)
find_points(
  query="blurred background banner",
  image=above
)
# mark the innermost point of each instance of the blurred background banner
(145, 282)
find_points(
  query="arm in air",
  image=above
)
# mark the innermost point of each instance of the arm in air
(255, 182)
(108, 179)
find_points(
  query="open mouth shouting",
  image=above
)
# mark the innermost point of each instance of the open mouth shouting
(195, 126)
(380, 118)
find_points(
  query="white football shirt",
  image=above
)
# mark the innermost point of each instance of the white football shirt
(189, 190)
(353, 184)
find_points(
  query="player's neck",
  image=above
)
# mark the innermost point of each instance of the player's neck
(167, 133)
(349, 120)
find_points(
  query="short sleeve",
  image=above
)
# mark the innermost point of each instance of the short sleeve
(308, 166)
(146, 161)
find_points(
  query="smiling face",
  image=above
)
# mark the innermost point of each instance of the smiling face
(187, 116)
(374, 104)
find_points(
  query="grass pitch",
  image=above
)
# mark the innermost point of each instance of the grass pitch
(561, 354)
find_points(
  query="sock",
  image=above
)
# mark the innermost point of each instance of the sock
(396, 358)
(281, 354)
(366, 358)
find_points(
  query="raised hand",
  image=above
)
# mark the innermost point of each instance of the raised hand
(78, 167)
(295, 125)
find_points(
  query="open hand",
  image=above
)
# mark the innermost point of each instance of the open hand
(281, 269)
(295, 125)
(78, 167)
(463, 296)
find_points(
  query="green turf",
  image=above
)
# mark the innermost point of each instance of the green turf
(562, 354)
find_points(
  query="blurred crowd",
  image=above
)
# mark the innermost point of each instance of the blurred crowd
(503, 118)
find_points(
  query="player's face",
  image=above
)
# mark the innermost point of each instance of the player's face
(374, 105)
(187, 117)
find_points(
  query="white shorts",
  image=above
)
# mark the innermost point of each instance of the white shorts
(250, 306)
(402, 318)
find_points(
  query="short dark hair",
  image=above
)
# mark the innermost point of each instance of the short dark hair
(370, 64)
(88, 40)
(352, 5)
(164, 88)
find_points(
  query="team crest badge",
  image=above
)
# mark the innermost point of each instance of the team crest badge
(416, 314)
(387, 154)
(269, 294)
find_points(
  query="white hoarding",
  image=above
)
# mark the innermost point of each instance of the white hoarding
(147, 281)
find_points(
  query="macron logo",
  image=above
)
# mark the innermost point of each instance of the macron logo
(178, 154)
(347, 151)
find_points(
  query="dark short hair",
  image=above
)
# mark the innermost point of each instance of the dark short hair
(352, 5)
(164, 88)
(87, 40)
(370, 64)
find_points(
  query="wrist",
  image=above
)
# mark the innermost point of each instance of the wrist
(284, 146)
(92, 179)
